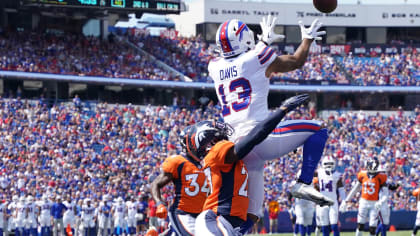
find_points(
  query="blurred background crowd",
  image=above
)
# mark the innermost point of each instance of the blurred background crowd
(76, 54)
(88, 150)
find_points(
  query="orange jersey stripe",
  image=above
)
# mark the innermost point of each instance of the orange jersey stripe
(229, 183)
(371, 185)
(189, 181)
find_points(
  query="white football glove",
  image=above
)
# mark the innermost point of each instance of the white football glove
(343, 207)
(312, 32)
(378, 205)
(267, 26)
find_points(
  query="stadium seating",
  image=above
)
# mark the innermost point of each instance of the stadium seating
(76, 147)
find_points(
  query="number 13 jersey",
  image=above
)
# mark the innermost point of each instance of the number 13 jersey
(371, 184)
(242, 87)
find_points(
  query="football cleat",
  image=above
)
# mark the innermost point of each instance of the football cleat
(307, 192)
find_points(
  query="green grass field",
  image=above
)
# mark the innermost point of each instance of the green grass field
(398, 233)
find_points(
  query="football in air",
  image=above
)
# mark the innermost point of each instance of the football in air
(325, 6)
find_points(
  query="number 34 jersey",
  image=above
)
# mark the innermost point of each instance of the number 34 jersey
(241, 85)
(328, 183)
(190, 184)
(371, 184)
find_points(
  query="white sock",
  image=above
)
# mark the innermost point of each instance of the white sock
(358, 233)
(317, 231)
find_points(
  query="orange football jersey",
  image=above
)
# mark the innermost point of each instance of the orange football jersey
(228, 183)
(190, 184)
(371, 185)
(416, 193)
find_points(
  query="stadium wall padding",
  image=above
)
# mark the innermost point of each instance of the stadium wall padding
(402, 220)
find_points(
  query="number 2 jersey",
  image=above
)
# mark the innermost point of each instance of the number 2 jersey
(228, 183)
(328, 183)
(242, 87)
(190, 184)
(371, 184)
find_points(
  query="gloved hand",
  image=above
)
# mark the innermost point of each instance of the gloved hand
(293, 102)
(161, 211)
(343, 207)
(312, 32)
(267, 26)
(378, 205)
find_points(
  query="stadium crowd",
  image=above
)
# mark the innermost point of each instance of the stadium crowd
(188, 55)
(75, 54)
(117, 149)
(387, 69)
(321, 67)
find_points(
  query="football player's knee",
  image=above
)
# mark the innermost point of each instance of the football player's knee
(360, 226)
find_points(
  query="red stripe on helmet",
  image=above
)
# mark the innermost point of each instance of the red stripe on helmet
(223, 38)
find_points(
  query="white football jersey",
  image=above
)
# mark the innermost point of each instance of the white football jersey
(119, 210)
(328, 183)
(2, 211)
(21, 210)
(45, 207)
(131, 208)
(31, 210)
(70, 208)
(88, 211)
(242, 87)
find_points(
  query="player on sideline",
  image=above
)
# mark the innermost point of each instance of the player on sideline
(385, 212)
(241, 79)
(225, 209)
(132, 206)
(88, 217)
(190, 189)
(69, 216)
(3, 218)
(416, 193)
(104, 216)
(372, 182)
(20, 217)
(45, 216)
(13, 214)
(328, 181)
(304, 215)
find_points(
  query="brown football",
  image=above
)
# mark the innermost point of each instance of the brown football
(325, 6)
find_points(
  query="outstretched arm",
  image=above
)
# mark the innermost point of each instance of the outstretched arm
(263, 129)
(287, 63)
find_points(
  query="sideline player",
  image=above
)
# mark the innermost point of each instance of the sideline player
(69, 216)
(241, 79)
(329, 182)
(225, 208)
(88, 217)
(304, 215)
(104, 216)
(190, 189)
(416, 193)
(372, 182)
(20, 216)
(132, 206)
(385, 212)
(30, 223)
(118, 212)
(45, 216)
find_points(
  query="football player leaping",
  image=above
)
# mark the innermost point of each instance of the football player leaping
(241, 79)
(371, 182)
(328, 182)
